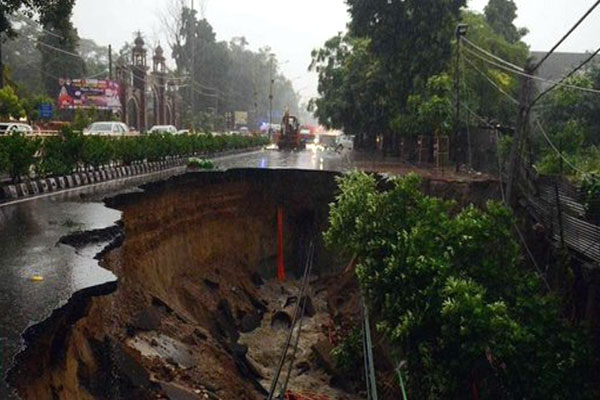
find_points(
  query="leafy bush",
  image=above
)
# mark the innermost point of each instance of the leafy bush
(20, 154)
(61, 154)
(200, 163)
(10, 105)
(450, 292)
(97, 151)
(348, 355)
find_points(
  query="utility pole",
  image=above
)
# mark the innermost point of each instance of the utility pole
(271, 82)
(110, 63)
(193, 65)
(1, 66)
(523, 124)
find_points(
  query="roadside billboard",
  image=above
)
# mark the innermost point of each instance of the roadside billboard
(89, 93)
(241, 117)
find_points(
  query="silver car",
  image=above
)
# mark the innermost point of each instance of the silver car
(6, 128)
(164, 129)
(108, 128)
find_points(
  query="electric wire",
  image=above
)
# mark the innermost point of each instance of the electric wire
(566, 35)
(495, 57)
(566, 85)
(58, 49)
(558, 152)
(38, 26)
(504, 200)
(401, 380)
(491, 81)
(372, 382)
(365, 359)
(304, 301)
(570, 74)
(286, 347)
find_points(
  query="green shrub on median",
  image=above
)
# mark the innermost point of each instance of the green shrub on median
(71, 150)
(20, 154)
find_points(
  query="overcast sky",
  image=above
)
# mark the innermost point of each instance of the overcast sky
(294, 27)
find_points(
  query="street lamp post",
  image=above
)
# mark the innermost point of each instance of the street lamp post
(271, 82)
(461, 30)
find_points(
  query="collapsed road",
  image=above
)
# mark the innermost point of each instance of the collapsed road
(183, 302)
(30, 232)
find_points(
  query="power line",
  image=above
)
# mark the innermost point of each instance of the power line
(558, 152)
(301, 295)
(495, 57)
(59, 49)
(570, 74)
(566, 35)
(34, 24)
(517, 229)
(491, 81)
(566, 85)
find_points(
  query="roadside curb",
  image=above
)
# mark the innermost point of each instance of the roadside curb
(34, 187)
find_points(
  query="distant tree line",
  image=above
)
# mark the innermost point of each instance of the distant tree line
(224, 76)
(214, 76)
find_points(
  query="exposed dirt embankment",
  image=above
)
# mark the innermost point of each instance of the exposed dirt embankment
(192, 254)
(195, 250)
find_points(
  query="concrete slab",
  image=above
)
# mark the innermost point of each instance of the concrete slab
(53, 184)
(43, 185)
(10, 192)
(23, 190)
(34, 188)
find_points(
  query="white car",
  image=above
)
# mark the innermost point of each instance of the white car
(164, 129)
(108, 128)
(6, 128)
(345, 141)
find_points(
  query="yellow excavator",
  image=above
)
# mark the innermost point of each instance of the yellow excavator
(289, 136)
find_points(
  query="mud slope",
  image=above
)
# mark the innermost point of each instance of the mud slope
(194, 253)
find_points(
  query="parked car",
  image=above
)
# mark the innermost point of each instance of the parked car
(244, 131)
(164, 129)
(7, 128)
(183, 132)
(106, 128)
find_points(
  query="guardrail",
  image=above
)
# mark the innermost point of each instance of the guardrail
(43, 134)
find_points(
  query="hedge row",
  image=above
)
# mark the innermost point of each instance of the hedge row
(20, 156)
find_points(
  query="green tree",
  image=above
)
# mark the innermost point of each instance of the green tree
(31, 106)
(352, 88)
(227, 76)
(569, 118)
(29, 7)
(10, 105)
(448, 289)
(60, 58)
(501, 15)
(476, 91)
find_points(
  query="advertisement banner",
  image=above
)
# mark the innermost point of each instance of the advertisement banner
(241, 117)
(89, 93)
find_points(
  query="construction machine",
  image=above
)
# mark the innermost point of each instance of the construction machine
(289, 136)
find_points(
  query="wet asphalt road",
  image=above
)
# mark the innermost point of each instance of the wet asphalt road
(30, 231)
